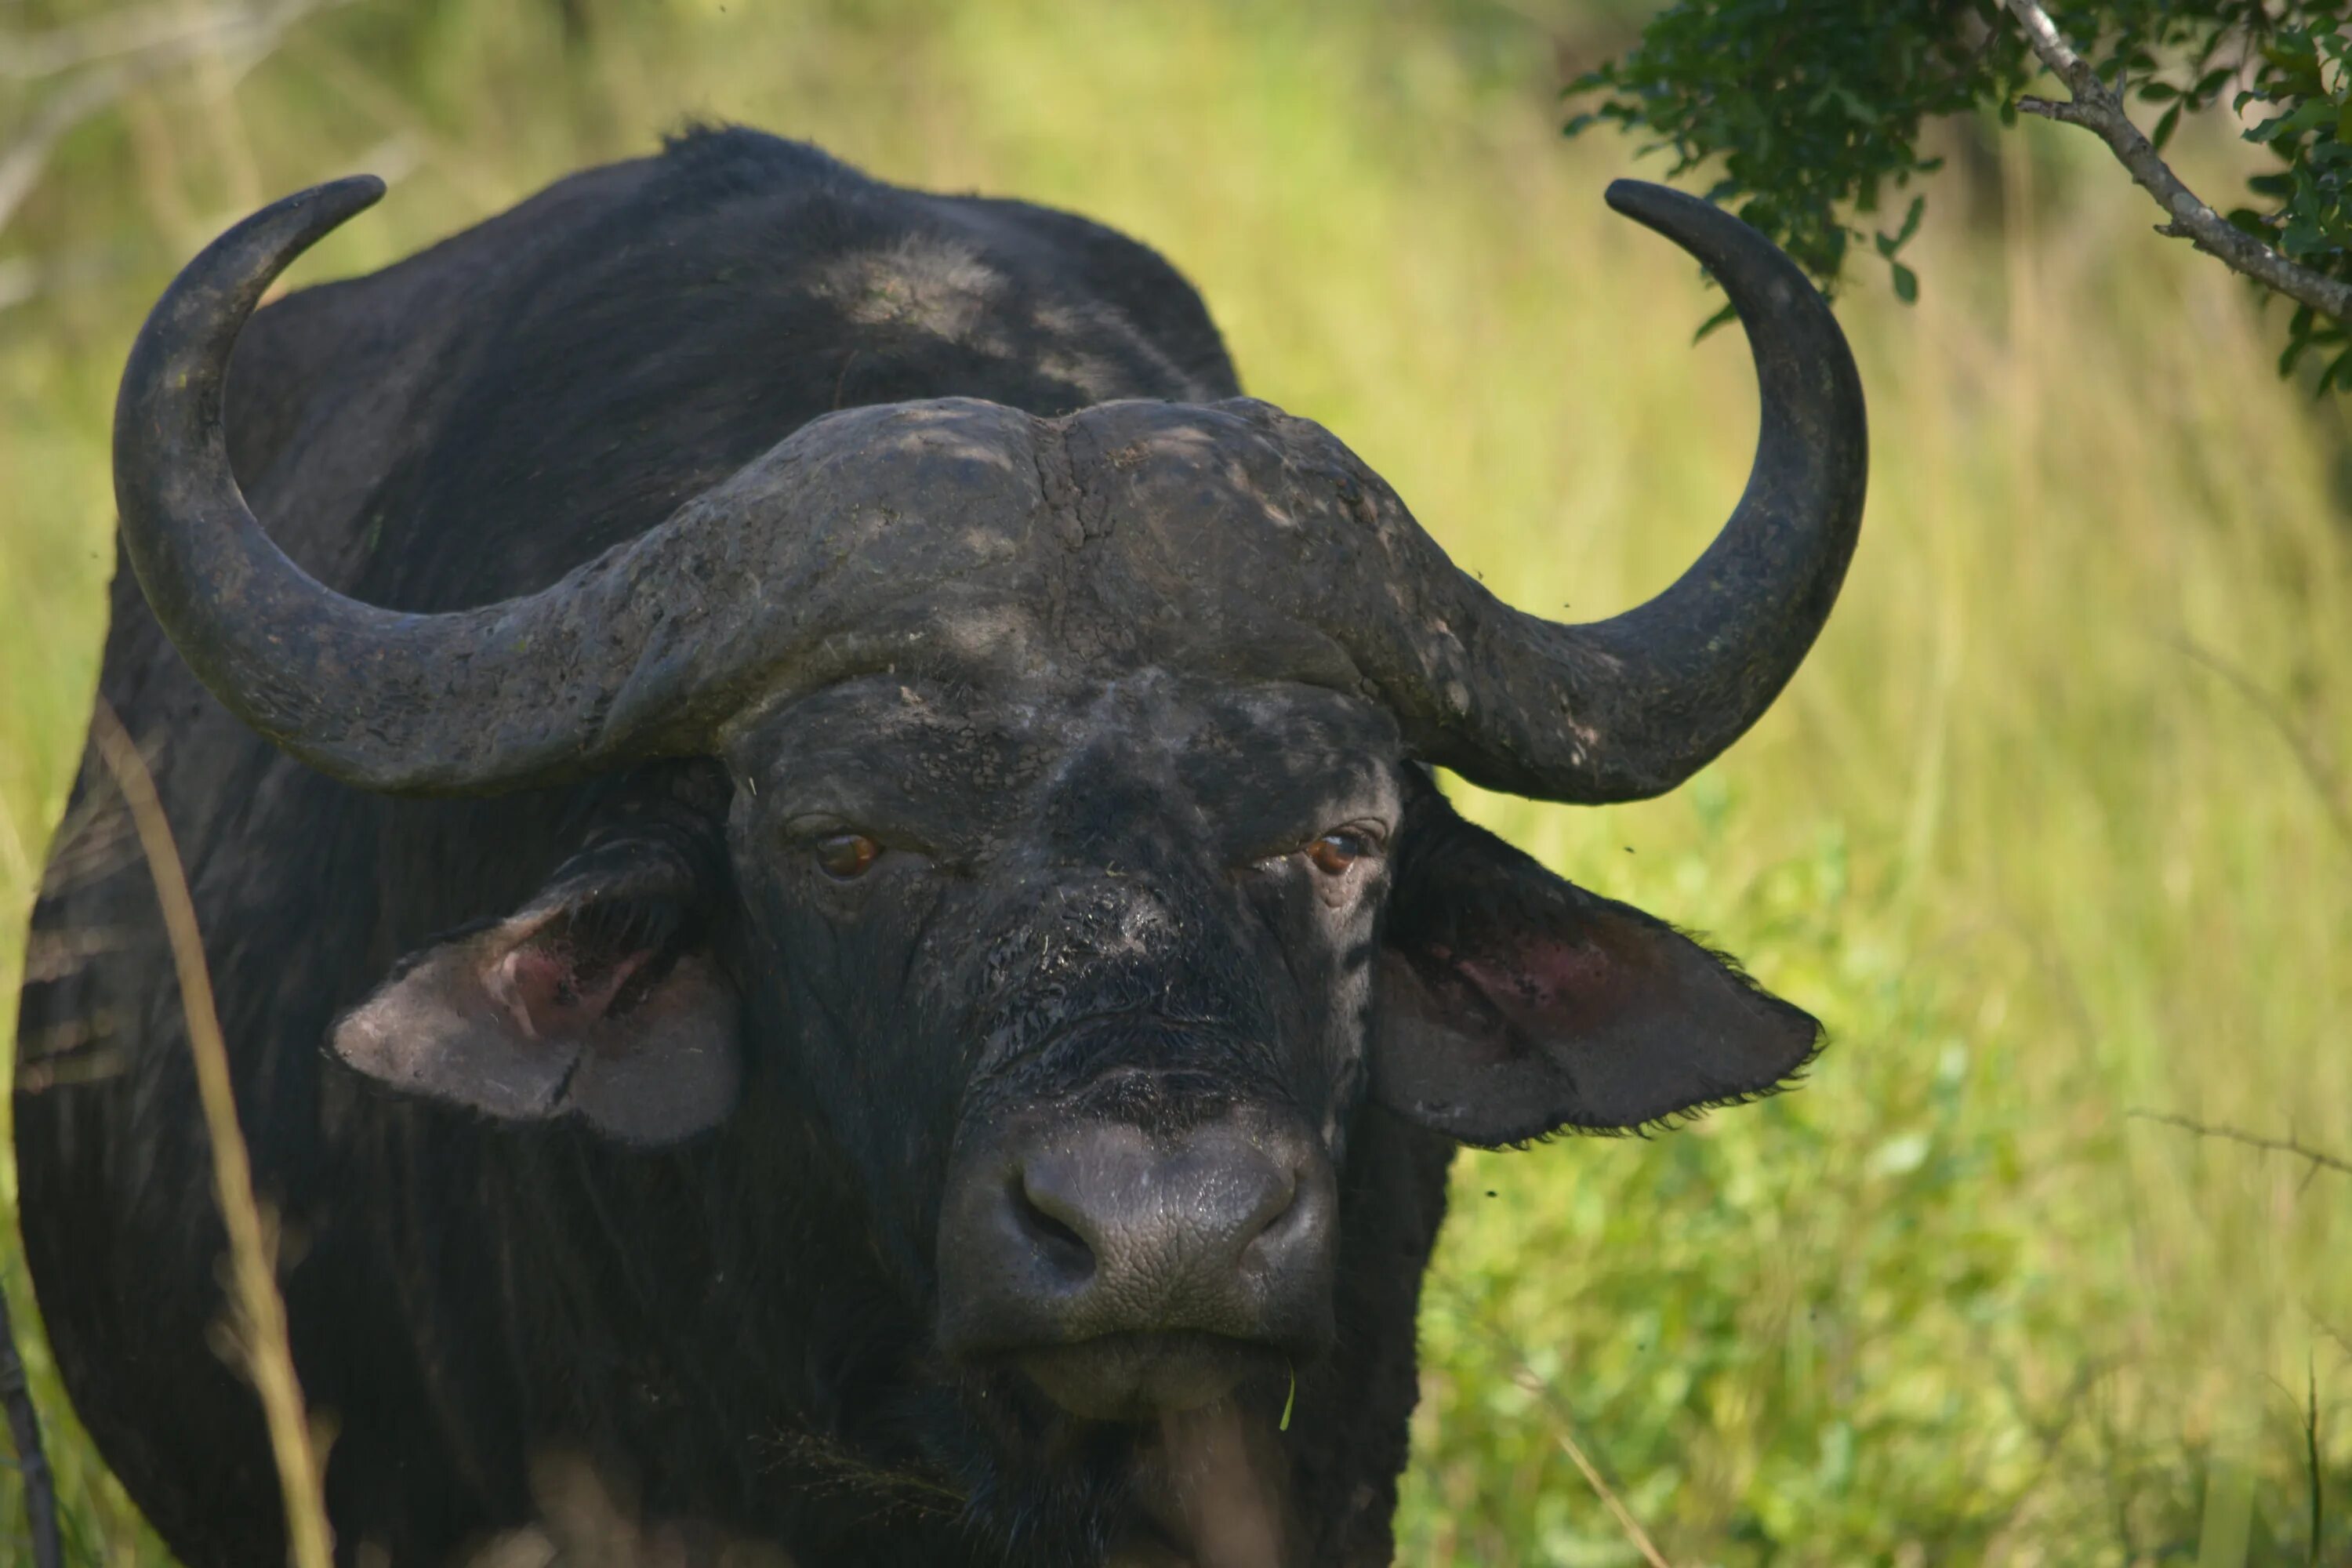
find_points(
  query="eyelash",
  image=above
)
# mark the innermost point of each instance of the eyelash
(846, 856)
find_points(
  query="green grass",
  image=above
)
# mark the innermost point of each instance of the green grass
(2038, 866)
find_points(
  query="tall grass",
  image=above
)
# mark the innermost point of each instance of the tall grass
(2042, 830)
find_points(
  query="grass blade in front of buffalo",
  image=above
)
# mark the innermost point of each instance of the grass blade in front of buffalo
(32, 1463)
(259, 1309)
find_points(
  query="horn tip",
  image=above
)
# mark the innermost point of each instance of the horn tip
(1646, 202)
(292, 223)
(360, 190)
(336, 202)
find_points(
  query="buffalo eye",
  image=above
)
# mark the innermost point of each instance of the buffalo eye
(1335, 853)
(845, 857)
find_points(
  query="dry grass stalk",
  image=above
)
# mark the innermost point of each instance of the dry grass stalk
(1617, 1509)
(260, 1310)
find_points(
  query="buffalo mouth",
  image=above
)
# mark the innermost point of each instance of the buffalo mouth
(1141, 1374)
(1182, 1435)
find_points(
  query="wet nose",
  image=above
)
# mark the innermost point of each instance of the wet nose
(1156, 1236)
(1100, 1232)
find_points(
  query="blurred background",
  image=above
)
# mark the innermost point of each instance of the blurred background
(2054, 830)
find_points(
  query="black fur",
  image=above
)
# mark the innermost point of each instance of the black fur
(737, 1329)
(712, 1322)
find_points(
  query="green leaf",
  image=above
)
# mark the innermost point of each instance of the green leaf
(2297, 62)
(1888, 244)
(2310, 115)
(1808, 118)
(1727, 314)
(2249, 221)
(1911, 220)
(2296, 343)
(2338, 374)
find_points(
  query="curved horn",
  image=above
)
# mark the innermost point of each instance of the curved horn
(1627, 707)
(514, 693)
(828, 556)
(649, 648)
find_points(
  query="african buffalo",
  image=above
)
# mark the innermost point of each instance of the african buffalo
(818, 851)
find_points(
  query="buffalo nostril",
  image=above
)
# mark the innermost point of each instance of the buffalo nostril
(1277, 1202)
(1051, 1232)
(1127, 1267)
(1143, 1217)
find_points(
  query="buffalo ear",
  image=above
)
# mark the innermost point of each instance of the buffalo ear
(600, 999)
(1512, 1003)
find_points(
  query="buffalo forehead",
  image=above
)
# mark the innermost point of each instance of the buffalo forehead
(959, 535)
(1213, 528)
(961, 764)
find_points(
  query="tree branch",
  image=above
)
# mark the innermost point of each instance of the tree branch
(2320, 1159)
(2096, 109)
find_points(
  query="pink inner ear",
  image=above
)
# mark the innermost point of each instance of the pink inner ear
(541, 991)
(1551, 988)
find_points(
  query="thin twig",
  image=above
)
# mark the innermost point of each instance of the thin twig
(1625, 1520)
(2315, 769)
(2048, 1435)
(1528, 1379)
(27, 154)
(40, 1488)
(2311, 1453)
(2095, 108)
(261, 1309)
(2321, 1160)
(30, 57)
